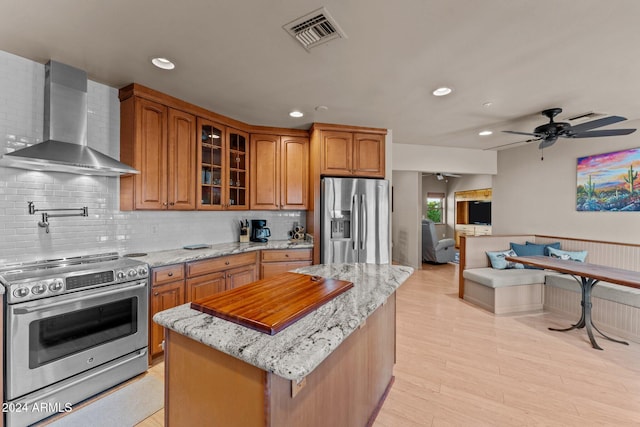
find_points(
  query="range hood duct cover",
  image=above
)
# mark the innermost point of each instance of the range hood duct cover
(65, 130)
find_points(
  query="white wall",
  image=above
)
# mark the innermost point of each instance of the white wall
(406, 217)
(424, 158)
(106, 229)
(534, 196)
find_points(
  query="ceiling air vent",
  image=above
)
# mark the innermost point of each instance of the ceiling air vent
(314, 29)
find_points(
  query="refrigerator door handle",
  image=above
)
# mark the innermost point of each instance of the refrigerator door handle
(355, 223)
(363, 222)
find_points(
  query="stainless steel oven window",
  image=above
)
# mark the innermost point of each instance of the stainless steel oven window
(56, 337)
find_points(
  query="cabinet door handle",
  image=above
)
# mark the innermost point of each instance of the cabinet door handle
(164, 203)
(286, 255)
(226, 263)
(229, 275)
(170, 274)
(155, 294)
(171, 204)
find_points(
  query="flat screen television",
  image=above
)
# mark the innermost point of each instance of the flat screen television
(480, 213)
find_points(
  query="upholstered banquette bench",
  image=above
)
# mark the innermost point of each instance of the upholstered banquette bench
(616, 308)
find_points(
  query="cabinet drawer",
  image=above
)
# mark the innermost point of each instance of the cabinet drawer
(285, 255)
(268, 270)
(167, 274)
(211, 265)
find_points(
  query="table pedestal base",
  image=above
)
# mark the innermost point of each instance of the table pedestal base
(585, 319)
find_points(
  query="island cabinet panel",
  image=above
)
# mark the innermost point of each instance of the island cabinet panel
(279, 172)
(346, 389)
(276, 261)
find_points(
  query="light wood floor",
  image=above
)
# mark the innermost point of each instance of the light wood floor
(458, 365)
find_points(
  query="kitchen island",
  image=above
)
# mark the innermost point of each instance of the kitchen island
(331, 367)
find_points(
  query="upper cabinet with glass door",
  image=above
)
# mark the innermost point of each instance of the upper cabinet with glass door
(238, 169)
(222, 156)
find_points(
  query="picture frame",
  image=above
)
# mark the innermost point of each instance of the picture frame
(609, 182)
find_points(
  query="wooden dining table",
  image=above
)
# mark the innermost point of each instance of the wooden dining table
(587, 275)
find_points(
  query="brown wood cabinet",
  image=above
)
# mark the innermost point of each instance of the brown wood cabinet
(338, 150)
(209, 276)
(160, 142)
(167, 291)
(279, 172)
(276, 261)
(351, 154)
(223, 160)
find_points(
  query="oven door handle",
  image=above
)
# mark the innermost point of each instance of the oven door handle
(49, 306)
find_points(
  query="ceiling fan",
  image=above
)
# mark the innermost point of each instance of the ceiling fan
(549, 133)
(441, 175)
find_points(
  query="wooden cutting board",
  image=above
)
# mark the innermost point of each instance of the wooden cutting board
(270, 305)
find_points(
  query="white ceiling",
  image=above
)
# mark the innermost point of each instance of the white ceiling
(234, 58)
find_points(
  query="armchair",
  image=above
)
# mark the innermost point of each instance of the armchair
(434, 250)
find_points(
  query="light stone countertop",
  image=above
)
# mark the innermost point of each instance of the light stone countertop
(176, 256)
(297, 350)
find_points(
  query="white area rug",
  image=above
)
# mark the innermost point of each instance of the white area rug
(123, 408)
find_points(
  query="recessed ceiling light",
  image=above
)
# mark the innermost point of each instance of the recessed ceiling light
(442, 91)
(163, 63)
(487, 104)
(296, 113)
(485, 133)
(322, 108)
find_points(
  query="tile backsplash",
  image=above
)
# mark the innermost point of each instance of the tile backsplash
(106, 229)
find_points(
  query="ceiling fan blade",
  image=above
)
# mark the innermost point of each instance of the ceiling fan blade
(519, 133)
(598, 133)
(597, 123)
(497, 147)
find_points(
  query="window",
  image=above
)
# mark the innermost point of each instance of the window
(435, 207)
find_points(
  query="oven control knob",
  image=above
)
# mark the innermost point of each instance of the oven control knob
(56, 286)
(21, 292)
(121, 275)
(142, 271)
(39, 289)
(133, 273)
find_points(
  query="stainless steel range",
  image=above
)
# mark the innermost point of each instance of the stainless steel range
(73, 327)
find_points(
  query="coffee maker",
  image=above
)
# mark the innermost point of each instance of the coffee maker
(259, 230)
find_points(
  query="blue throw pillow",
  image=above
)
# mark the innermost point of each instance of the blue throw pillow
(574, 256)
(554, 245)
(528, 250)
(499, 262)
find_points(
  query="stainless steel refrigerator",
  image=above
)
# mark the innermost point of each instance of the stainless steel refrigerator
(354, 224)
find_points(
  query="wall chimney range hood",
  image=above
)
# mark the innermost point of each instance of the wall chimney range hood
(65, 130)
